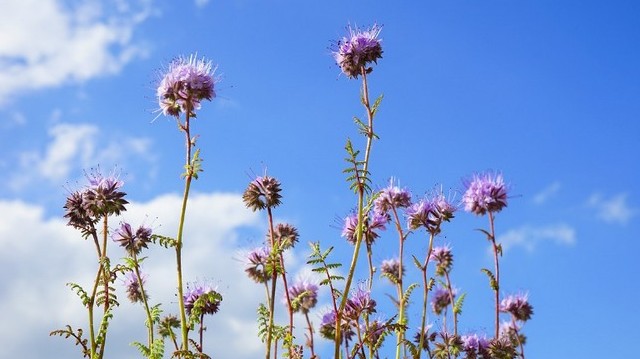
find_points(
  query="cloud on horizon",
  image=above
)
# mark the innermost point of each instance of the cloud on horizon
(41, 254)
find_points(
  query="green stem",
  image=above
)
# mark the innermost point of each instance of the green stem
(359, 233)
(274, 279)
(401, 319)
(107, 279)
(188, 177)
(144, 301)
(453, 308)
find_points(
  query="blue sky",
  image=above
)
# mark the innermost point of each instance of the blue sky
(544, 91)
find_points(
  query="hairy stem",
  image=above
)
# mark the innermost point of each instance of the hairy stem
(274, 279)
(497, 274)
(136, 269)
(106, 278)
(310, 328)
(183, 210)
(425, 284)
(455, 314)
(401, 319)
(359, 233)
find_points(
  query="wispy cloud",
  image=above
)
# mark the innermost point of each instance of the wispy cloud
(546, 193)
(76, 146)
(201, 3)
(212, 234)
(614, 209)
(529, 237)
(46, 43)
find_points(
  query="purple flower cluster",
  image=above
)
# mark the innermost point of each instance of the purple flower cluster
(429, 213)
(391, 198)
(185, 84)
(390, 268)
(486, 192)
(372, 222)
(101, 198)
(360, 302)
(261, 193)
(210, 302)
(256, 264)
(425, 336)
(518, 306)
(132, 285)
(132, 242)
(285, 235)
(328, 327)
(441, 300)
(357, 50)
(443, 258)
(474, 345)
(304, 296)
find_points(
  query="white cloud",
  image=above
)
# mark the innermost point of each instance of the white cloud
(529, 237)
(76, 146)
(46, 43)
(41, 254)
(612, 210)
(546, 193)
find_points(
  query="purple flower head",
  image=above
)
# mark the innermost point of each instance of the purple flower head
(443, 209)
(390, 268)
(357, 50)
(134, 292)
(285, 235)
(486, 192)
(261, 193)
(475, 345)
(372, 222)
(186, 82)
(256, 264)
(441, 300)
(201, 299)
(518, 305)
(443, 258)
(392, 197)
(303, 295)
(328, 327)
(101, 197)
(360, 302)
(418, 214)
(132, 242)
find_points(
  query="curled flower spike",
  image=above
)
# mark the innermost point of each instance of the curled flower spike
(132, 285)
(357, 50)
(285, 234)
(256, 264)
(392, 197)
(103, 196)
(441, 300)
(261, 193)
(485, 192)
(186, 83)
(304, 296)
(201, 299)
(518, 305)
(133, 243)
(443, 258)
(390, 268)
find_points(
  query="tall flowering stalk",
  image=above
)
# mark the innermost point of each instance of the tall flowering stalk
(87, 210)
(486, 193)
(354, 54)
(186, 83)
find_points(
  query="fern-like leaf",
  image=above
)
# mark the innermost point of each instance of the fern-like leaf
(492, 279)
(77, 335)
(164, 241)
(457, 307)
(84, 297)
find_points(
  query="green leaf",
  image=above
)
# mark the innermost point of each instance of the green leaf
(457, 307)
(492, 279)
